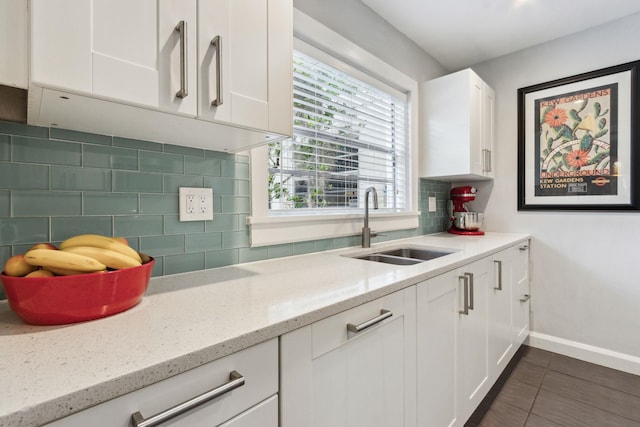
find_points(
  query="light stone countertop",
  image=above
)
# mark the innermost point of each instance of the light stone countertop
(186, 320)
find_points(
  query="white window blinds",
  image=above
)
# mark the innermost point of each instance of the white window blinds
(348, 136)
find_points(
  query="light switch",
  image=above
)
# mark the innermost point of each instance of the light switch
(432, 204)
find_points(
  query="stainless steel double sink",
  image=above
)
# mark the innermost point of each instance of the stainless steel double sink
(404, 256)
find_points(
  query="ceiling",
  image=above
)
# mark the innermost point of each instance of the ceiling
(460, 33)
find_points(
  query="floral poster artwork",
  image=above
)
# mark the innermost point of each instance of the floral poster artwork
(576, 143)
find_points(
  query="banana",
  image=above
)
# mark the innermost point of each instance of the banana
(111, 259)
(99, 241)
(62, 259)
(67, 272)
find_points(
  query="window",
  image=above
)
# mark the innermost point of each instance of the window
(348, 136)
(312, 187)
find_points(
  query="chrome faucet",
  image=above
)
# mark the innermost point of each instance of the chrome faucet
(366, 231)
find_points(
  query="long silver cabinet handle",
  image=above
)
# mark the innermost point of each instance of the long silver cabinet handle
(217, 44)
(499, 264)
(525, 297)
(235, 380)
(465, 280)
(486, 160)
(182, 29)
(471, 298)
(384, 314)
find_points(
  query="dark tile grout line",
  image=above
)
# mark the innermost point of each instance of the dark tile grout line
(529, 412)
(476, 418)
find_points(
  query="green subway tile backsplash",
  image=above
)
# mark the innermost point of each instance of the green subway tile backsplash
(214, 259)
(174, 264)
(23, 230)
(82, 179)
(5, 204)
(65, 227)
(109, 203)
(56, 183)
(137, 182)
(158, 203)
(51, 203)
(5, 148)
(162, 162)
(47, 151)
(172, 183)
(19, 176)
(202, 166)
(137, 225)
(95, 156)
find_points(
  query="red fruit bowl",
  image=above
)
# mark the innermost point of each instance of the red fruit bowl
(60, 300)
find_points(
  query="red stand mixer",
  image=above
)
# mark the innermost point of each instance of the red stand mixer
(462, 221)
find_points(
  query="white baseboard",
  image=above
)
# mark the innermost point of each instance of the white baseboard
(588, 353)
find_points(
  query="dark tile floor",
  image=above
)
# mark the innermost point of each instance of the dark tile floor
(543, 389)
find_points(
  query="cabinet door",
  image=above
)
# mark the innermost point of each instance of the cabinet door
(242, 75)
(334, 377)
(473, 339)
(117, 50)
(438, 309)
(14, 67)
(488, 130)
(476, 125)
(501, 346)
(521, 294)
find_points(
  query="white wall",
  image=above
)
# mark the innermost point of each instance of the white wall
(585, 266)
(361, 25)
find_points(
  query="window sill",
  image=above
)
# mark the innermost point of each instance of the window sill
(288, 229)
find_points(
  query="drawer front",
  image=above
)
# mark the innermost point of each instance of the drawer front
(264, 414)
(332, 332)
(258, 365)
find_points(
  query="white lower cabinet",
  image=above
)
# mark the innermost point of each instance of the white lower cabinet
(520, 296)
(453, 340)
(465, 342)
(246, 383)
(356, 368)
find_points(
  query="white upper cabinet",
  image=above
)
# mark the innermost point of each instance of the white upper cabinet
(13, 43)
(204, 62)
(243, 63)
(457, 128)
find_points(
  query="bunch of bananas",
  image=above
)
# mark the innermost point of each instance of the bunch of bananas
(85, 253)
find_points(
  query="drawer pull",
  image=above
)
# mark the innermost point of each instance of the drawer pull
(525, 297)
(524, 247)
(235, 380)
(384, 314)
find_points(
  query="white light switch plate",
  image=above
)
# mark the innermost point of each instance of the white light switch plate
(196, 204)
(432, 204)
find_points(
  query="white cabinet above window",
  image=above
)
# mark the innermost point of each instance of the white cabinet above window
(204, 73)
(457, 121)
